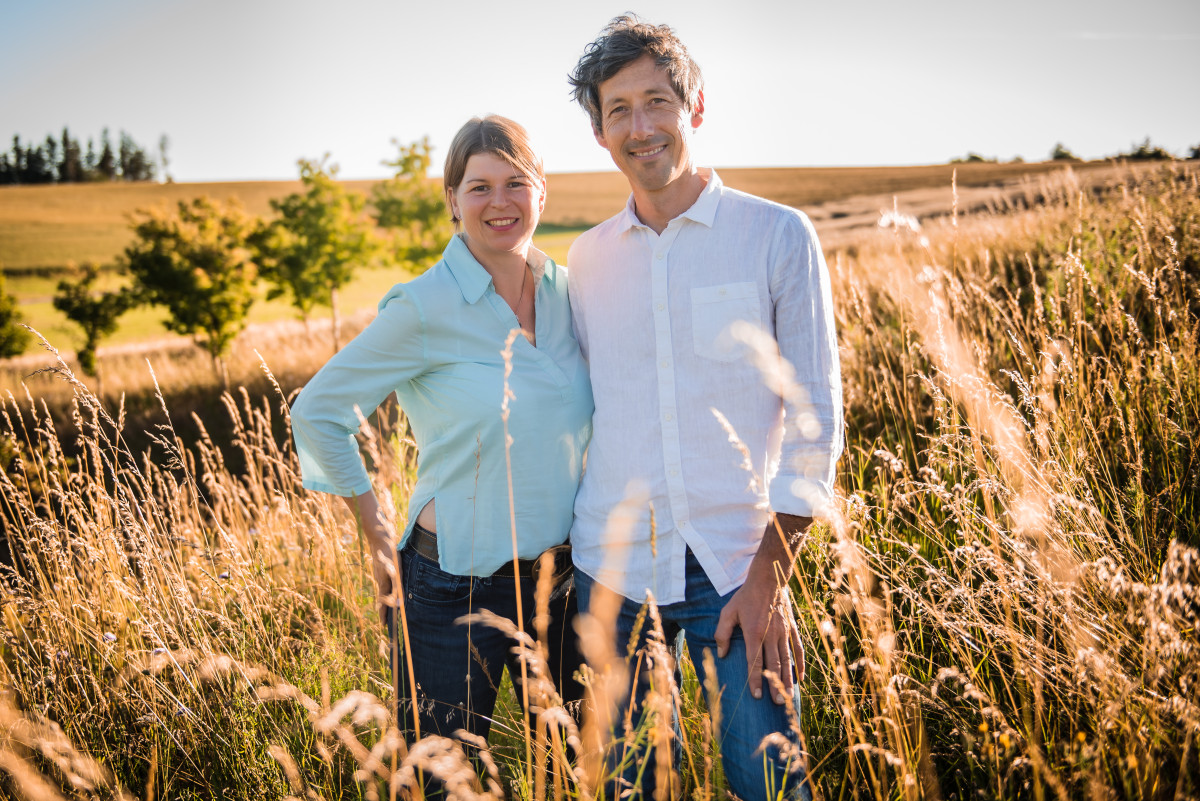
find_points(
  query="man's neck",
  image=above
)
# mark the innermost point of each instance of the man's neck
(656, 209)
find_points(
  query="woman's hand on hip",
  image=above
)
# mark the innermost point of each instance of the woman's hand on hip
(381, 546)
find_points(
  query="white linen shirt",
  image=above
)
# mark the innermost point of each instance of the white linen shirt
(653, 314)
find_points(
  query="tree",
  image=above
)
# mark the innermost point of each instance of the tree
(1148, 152)
(96, 313)
(106, 164)
(135, 165)
(311, 250)
(13, 336)
(197, 264)
(70, 168)
(163, 142)
(1062, 153)
(1194, 152)
(413, 207)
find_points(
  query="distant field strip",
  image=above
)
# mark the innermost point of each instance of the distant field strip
(50, 226)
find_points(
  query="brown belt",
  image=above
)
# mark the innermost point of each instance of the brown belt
(424, 542)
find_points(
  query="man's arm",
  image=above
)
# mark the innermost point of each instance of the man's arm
(760, 608)
(812, 441)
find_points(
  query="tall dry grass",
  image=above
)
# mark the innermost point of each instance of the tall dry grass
(1005, 607)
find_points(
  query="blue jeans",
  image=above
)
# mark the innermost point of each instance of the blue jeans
(458, 667)
(752, 773)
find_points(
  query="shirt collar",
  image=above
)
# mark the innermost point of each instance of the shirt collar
(703, 211)
(473, 280)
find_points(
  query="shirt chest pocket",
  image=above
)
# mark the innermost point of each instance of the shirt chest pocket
(714, 310)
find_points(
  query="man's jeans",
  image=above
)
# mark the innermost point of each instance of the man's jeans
(458, 666)
(752, 773)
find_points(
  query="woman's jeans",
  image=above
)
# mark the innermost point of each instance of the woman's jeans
(458, 666)
(752, 772)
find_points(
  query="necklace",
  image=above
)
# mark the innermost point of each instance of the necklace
(527, 330)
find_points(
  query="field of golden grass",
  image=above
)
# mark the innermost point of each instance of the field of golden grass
(1005, 605)
(49, 226)
(43, 228)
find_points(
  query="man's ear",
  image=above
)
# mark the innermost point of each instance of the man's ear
(600, 138)
(698, 111)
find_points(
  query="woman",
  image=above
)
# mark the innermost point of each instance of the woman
(437, 343)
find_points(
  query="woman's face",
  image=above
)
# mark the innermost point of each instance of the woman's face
(499, 206)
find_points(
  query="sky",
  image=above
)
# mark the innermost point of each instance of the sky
(244, 88)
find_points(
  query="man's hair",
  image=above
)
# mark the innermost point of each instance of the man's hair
(492, 134)
(623, 41)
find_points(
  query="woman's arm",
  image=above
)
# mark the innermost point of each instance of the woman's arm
(349, 388)
(381, 545)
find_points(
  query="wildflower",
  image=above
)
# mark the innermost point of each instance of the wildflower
(110, 637)
(224, 575)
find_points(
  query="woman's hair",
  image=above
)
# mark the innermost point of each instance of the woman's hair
(622, 42)
(492, 134)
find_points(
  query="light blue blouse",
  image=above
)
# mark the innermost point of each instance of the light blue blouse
(437, 343)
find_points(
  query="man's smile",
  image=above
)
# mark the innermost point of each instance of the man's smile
(648, 152)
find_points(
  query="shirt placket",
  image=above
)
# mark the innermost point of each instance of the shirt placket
(668, 407)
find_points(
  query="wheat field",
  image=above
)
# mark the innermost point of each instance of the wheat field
(1004, 606)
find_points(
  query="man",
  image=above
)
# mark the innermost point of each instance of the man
(662, 294)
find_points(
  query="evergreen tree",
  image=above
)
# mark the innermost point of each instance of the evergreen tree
(106, 164)
(37, 167)
(163, 142)
(70, 165)
(18, 160)
(413, 207)
(90, 162)
(135, 164)
(50, 147)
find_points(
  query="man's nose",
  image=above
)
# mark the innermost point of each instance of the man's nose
(642, 127)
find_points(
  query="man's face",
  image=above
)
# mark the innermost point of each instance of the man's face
(645, 125)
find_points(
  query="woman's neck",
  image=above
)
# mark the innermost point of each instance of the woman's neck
(507, 268)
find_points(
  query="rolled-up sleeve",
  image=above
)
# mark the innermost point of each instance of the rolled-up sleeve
(804, 329)
(351, 385)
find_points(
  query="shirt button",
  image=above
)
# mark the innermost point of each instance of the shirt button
(722, 291)
(669, 417)
(665, 363)
(674, 472)
(660, 257)
(659, 307)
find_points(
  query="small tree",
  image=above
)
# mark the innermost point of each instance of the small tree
(413, 207)
(1062, 153)
(316, 243)
(106, 163)
(13, 336)
(197, 264)
(1194, 152)
(96, 313)
(1148, 152)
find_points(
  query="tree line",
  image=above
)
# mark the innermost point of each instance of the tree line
(203, 259)
(64, 160)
